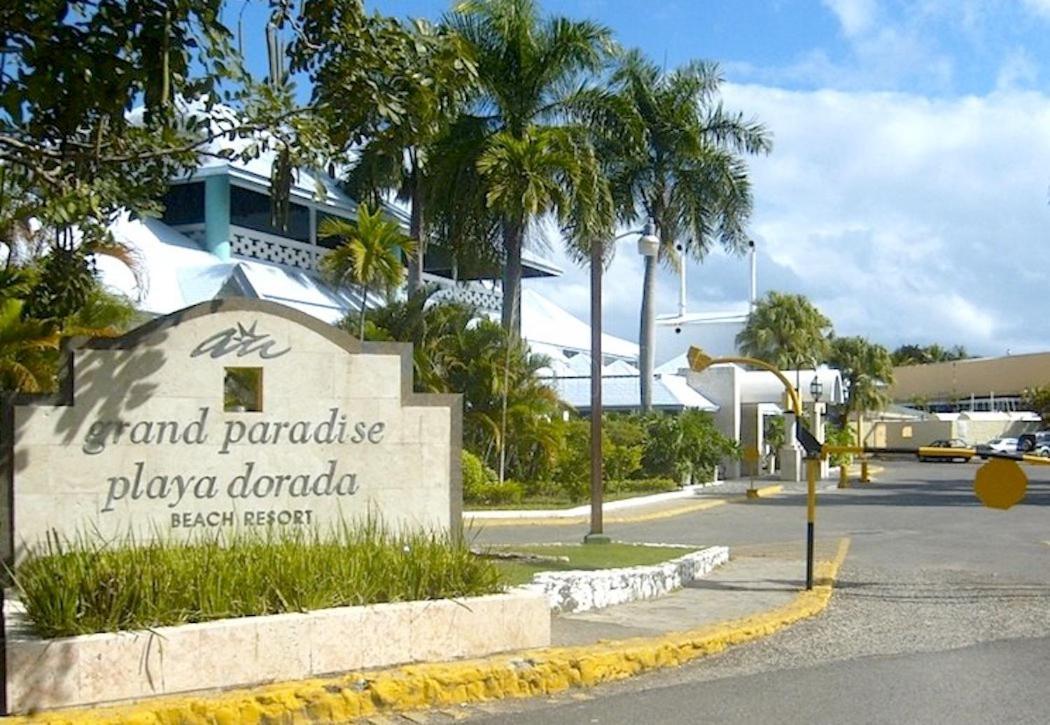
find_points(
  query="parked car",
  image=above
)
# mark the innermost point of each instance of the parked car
(1028, 442)
(997, 445)
(947, 443)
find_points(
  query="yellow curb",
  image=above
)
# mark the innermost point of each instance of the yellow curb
(764, 491)
(524, 674)
(609, 519)
(854, 470)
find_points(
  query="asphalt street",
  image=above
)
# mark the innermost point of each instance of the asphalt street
(941, 613)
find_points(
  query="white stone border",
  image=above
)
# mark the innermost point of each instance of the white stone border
(104, 668)
(581, 591)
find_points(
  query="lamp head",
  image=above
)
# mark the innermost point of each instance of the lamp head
(649, 243)
(698, 359)
(816, 388)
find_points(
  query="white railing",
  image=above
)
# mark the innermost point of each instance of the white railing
(471, 293)
(270, 248)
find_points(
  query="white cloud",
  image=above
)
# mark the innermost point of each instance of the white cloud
(855, 16)
(904, 218)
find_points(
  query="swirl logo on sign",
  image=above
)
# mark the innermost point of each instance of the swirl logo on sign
(240, 341)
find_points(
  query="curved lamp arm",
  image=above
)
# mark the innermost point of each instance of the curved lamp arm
(699, 360)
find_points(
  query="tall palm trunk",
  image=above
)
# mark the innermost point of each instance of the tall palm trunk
(415, 230)
(364, 307)
(512, 273)
(646, 344)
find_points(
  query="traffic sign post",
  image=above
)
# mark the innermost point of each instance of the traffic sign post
(751, 455)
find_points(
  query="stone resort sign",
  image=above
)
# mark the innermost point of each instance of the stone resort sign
(233, 414)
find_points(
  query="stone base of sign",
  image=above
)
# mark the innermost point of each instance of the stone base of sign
(106, 668)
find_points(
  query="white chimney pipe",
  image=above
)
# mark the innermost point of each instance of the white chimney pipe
(681, 280)
(753, 296)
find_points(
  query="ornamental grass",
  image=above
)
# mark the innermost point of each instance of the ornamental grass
(85, 585)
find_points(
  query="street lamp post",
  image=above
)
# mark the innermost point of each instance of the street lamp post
(648, 245)
(699, 361)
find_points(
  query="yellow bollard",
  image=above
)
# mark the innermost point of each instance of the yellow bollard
(844, 476)
(864, 477)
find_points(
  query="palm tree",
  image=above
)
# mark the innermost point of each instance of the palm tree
(370, 254)
(687, 174)
(785, 330)
(517, 146)
(26, 350)
(868, 369)
(396, 155)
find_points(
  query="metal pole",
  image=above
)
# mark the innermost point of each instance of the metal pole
(753, 291)
(681, 281)
(812, 466)
(596, 534)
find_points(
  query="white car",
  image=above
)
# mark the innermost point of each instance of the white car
(1003, 445)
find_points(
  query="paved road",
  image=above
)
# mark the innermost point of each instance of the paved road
(941, 614)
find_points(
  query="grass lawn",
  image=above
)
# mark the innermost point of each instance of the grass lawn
(587, 557)
(540, 503)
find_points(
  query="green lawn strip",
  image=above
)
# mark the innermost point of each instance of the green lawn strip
(553, 504)
(588, 558)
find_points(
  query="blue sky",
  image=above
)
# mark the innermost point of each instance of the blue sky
(937, 47)
(907, 190)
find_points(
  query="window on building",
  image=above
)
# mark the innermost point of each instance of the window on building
(184, 204)
(252, 210)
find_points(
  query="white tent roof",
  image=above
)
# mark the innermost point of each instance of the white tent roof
(546, 323)
(622, 392)
(178, 273)
(762, 386)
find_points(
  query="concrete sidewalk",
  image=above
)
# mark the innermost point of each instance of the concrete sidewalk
(756, 579)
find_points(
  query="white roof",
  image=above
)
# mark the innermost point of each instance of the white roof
(178, 273)
(622, 392)
(546, 323)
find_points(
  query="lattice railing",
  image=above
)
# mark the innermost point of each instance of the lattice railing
(472, 294)
(270, 248)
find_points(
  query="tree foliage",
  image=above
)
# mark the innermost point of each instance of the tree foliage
(925, 354)
(369, 253)
(455, 350)
(679, 162)
(1038, 399)
(867, 370)
(70, 151)
(419, 74)
(517, 148)
(785, 330)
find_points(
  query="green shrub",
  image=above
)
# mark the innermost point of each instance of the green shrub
(573, 470)
(476, 476)
(496, 493)
(839, 436)
(683, 445)
(86, 586)
(623, 443)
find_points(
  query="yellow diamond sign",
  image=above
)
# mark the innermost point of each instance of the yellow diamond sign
(1000, 483)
